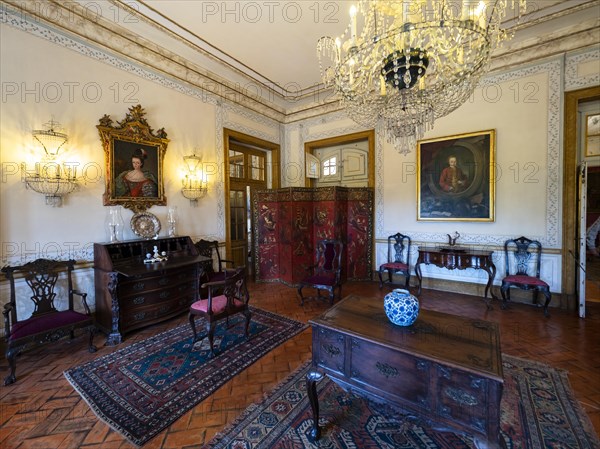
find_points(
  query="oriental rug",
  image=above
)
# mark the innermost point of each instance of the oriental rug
(538, 411)
(141, 389)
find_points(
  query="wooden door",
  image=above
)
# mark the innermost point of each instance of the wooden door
(238, 233)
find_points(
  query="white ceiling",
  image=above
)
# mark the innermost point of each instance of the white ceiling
(273, 41)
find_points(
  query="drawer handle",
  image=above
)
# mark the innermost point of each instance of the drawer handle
(333, 351)
(139, 316)
(139, 300)
(386, 370)
(164, 294)
(422, 365)
(445, 372)
(163, 281)
(460, 396)
(138, 286)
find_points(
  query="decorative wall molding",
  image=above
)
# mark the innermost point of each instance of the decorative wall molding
(572, 79)
(550, 237)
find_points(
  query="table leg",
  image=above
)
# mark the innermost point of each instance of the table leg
(491, 271)
(419, 276)
(312, 377)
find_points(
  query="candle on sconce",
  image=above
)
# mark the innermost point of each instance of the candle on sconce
(465, 10)
(382, 86)
(353, 24)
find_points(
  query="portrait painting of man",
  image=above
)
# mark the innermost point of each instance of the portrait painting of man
(455, 178)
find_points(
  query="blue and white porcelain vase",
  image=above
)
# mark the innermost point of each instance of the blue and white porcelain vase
(401, 307)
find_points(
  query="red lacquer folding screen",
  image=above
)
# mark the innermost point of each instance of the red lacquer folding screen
(288, 223)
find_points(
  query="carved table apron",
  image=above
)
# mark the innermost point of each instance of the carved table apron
(460, 260)
(445, 371)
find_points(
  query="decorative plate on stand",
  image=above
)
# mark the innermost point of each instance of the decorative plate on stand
(145, 225)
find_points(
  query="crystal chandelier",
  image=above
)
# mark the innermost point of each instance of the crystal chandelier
(50, 178)
(413, 61)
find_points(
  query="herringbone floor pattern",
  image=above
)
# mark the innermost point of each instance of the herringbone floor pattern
(42, 411)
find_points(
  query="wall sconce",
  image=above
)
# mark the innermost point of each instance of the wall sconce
(194, 184)
(50, 178)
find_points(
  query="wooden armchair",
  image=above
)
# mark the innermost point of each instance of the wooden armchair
(46, 323)
(208, 248)
(522, 258)
(398, 259)
(225, 298)
(326, 273)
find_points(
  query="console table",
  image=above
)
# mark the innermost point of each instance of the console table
(444, 370)
(131, 294)
(458, 259)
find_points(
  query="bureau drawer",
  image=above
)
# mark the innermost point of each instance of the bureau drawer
(150, 297)
(390, 371)
(135, 286)
(132, 318)
(329, 350)
(462, 397)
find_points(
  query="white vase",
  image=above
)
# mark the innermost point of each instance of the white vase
(401, 307)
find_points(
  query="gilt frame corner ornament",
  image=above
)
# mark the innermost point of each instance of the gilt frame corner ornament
(456, 177)
(134, 155)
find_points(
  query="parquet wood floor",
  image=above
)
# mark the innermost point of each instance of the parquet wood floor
(42, 411)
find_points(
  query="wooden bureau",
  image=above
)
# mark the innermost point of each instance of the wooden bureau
(131, 294)
(445, 371)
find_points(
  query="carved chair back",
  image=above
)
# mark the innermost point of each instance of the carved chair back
(210, 248)
(328, 258)
(46, 323)
(398, 248)
(522, 257)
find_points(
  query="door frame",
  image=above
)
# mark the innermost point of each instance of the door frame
(273, 148)
(570, 243)
(310, 147)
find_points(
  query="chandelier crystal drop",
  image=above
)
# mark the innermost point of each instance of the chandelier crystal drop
(412, 61)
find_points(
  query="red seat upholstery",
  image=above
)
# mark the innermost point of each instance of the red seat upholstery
(225, 298)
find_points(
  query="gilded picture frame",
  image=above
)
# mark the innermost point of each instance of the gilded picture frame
(456, 177)
(134, 156)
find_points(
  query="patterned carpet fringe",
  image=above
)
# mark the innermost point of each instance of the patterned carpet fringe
(539, 411)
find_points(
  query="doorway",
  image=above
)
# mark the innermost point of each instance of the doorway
(570, 236)
(252, 164)
(347, 161)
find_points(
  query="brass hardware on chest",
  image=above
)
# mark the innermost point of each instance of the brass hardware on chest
(164, 294)
(422, 365)
(138, 286)
(331, 350)
(386, 370)
(444, 372)
(139, 300)
(460, 396)
(163, 281)
(139, 316)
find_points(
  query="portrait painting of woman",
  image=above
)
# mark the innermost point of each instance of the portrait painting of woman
(136, 181)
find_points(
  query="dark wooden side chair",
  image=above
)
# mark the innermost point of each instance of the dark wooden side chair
(210, 248)
(398, 258)
(225, 298)
(326, 273)
(522, 258)
(46, 323)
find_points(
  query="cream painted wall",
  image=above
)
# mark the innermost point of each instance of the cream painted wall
(77, 89)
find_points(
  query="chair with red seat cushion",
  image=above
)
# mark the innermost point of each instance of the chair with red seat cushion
(522, 258)
(326, 273)
(398, 259)
(225, 298)
(46, 323)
